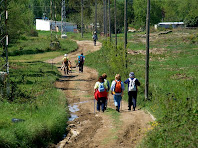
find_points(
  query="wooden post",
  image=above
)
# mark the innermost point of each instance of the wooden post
(96, 15)
(115, 23)
(147, 51)
(109, 20)
(125, 31)
(82, 18)
(104, 16)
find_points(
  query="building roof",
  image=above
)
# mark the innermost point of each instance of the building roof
(171, 23)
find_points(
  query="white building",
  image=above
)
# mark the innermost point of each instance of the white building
(45, 25)
(170, 25)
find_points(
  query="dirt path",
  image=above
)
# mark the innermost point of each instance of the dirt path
(91, 130)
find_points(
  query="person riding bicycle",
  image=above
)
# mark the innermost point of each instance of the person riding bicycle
(95, 37)
(65, 63)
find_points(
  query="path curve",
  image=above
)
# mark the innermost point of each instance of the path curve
(91, 130)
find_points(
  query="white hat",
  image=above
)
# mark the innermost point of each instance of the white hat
(131, 74)
(65, 55)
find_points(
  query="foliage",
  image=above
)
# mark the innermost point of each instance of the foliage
(140, 13)
(20, 19)
(109, 60)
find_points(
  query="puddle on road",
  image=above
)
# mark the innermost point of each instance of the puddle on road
(72, 117)
(74, 109)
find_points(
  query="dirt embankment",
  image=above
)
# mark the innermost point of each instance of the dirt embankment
(91, 130)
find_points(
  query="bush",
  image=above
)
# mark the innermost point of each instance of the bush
(33, 33)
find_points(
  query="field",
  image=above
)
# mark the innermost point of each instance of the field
(172, 84)
(173, 87)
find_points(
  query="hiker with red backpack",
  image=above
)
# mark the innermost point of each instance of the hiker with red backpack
(132, 90)
(81, 60)
(100, 93)
(117, 90)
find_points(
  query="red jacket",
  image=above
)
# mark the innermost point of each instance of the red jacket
(98, 94)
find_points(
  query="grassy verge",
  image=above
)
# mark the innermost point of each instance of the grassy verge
(34, 100)
(172, 86)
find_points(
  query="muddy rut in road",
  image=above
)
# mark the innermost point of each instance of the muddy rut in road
(91, 130)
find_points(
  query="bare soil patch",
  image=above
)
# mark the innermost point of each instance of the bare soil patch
(96, 129)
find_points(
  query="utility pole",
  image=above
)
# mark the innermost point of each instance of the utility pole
(54, 38)
(106, 18)
(147, 50)
(109, 20)
(51, 14)
(63, 20)
(95, 16)
(4, 65)
(125, 31)
(55, 19)
(82, 18)
(115, 23)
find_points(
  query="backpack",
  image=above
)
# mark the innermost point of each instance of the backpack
(108, 86)
(65, 60)
(132, 86)
(81, 59)
(118, 88)
(101, 87)
(94, 37)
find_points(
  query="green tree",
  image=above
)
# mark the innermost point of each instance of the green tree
(20, 18)
(188, 12)
(140, 10)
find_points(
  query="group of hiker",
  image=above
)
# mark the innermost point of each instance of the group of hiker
(66, 63)
(102, 88)
(67, 66)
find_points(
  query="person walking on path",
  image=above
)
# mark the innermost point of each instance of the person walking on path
(132, 90)
(81, 60)
(100, 93)
(117, 90)
(95, 37)
(104, 75)
(65, 64)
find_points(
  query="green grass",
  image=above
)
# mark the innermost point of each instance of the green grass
(33, 96)
(173, 84)
(36, 57)
(35, 100)
(41, 44)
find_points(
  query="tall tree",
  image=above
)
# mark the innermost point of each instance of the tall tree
(20, 18)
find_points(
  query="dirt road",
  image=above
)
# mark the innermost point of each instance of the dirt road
(89, 130)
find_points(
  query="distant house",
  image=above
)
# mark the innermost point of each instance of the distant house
(170, 25)
(46, 25)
